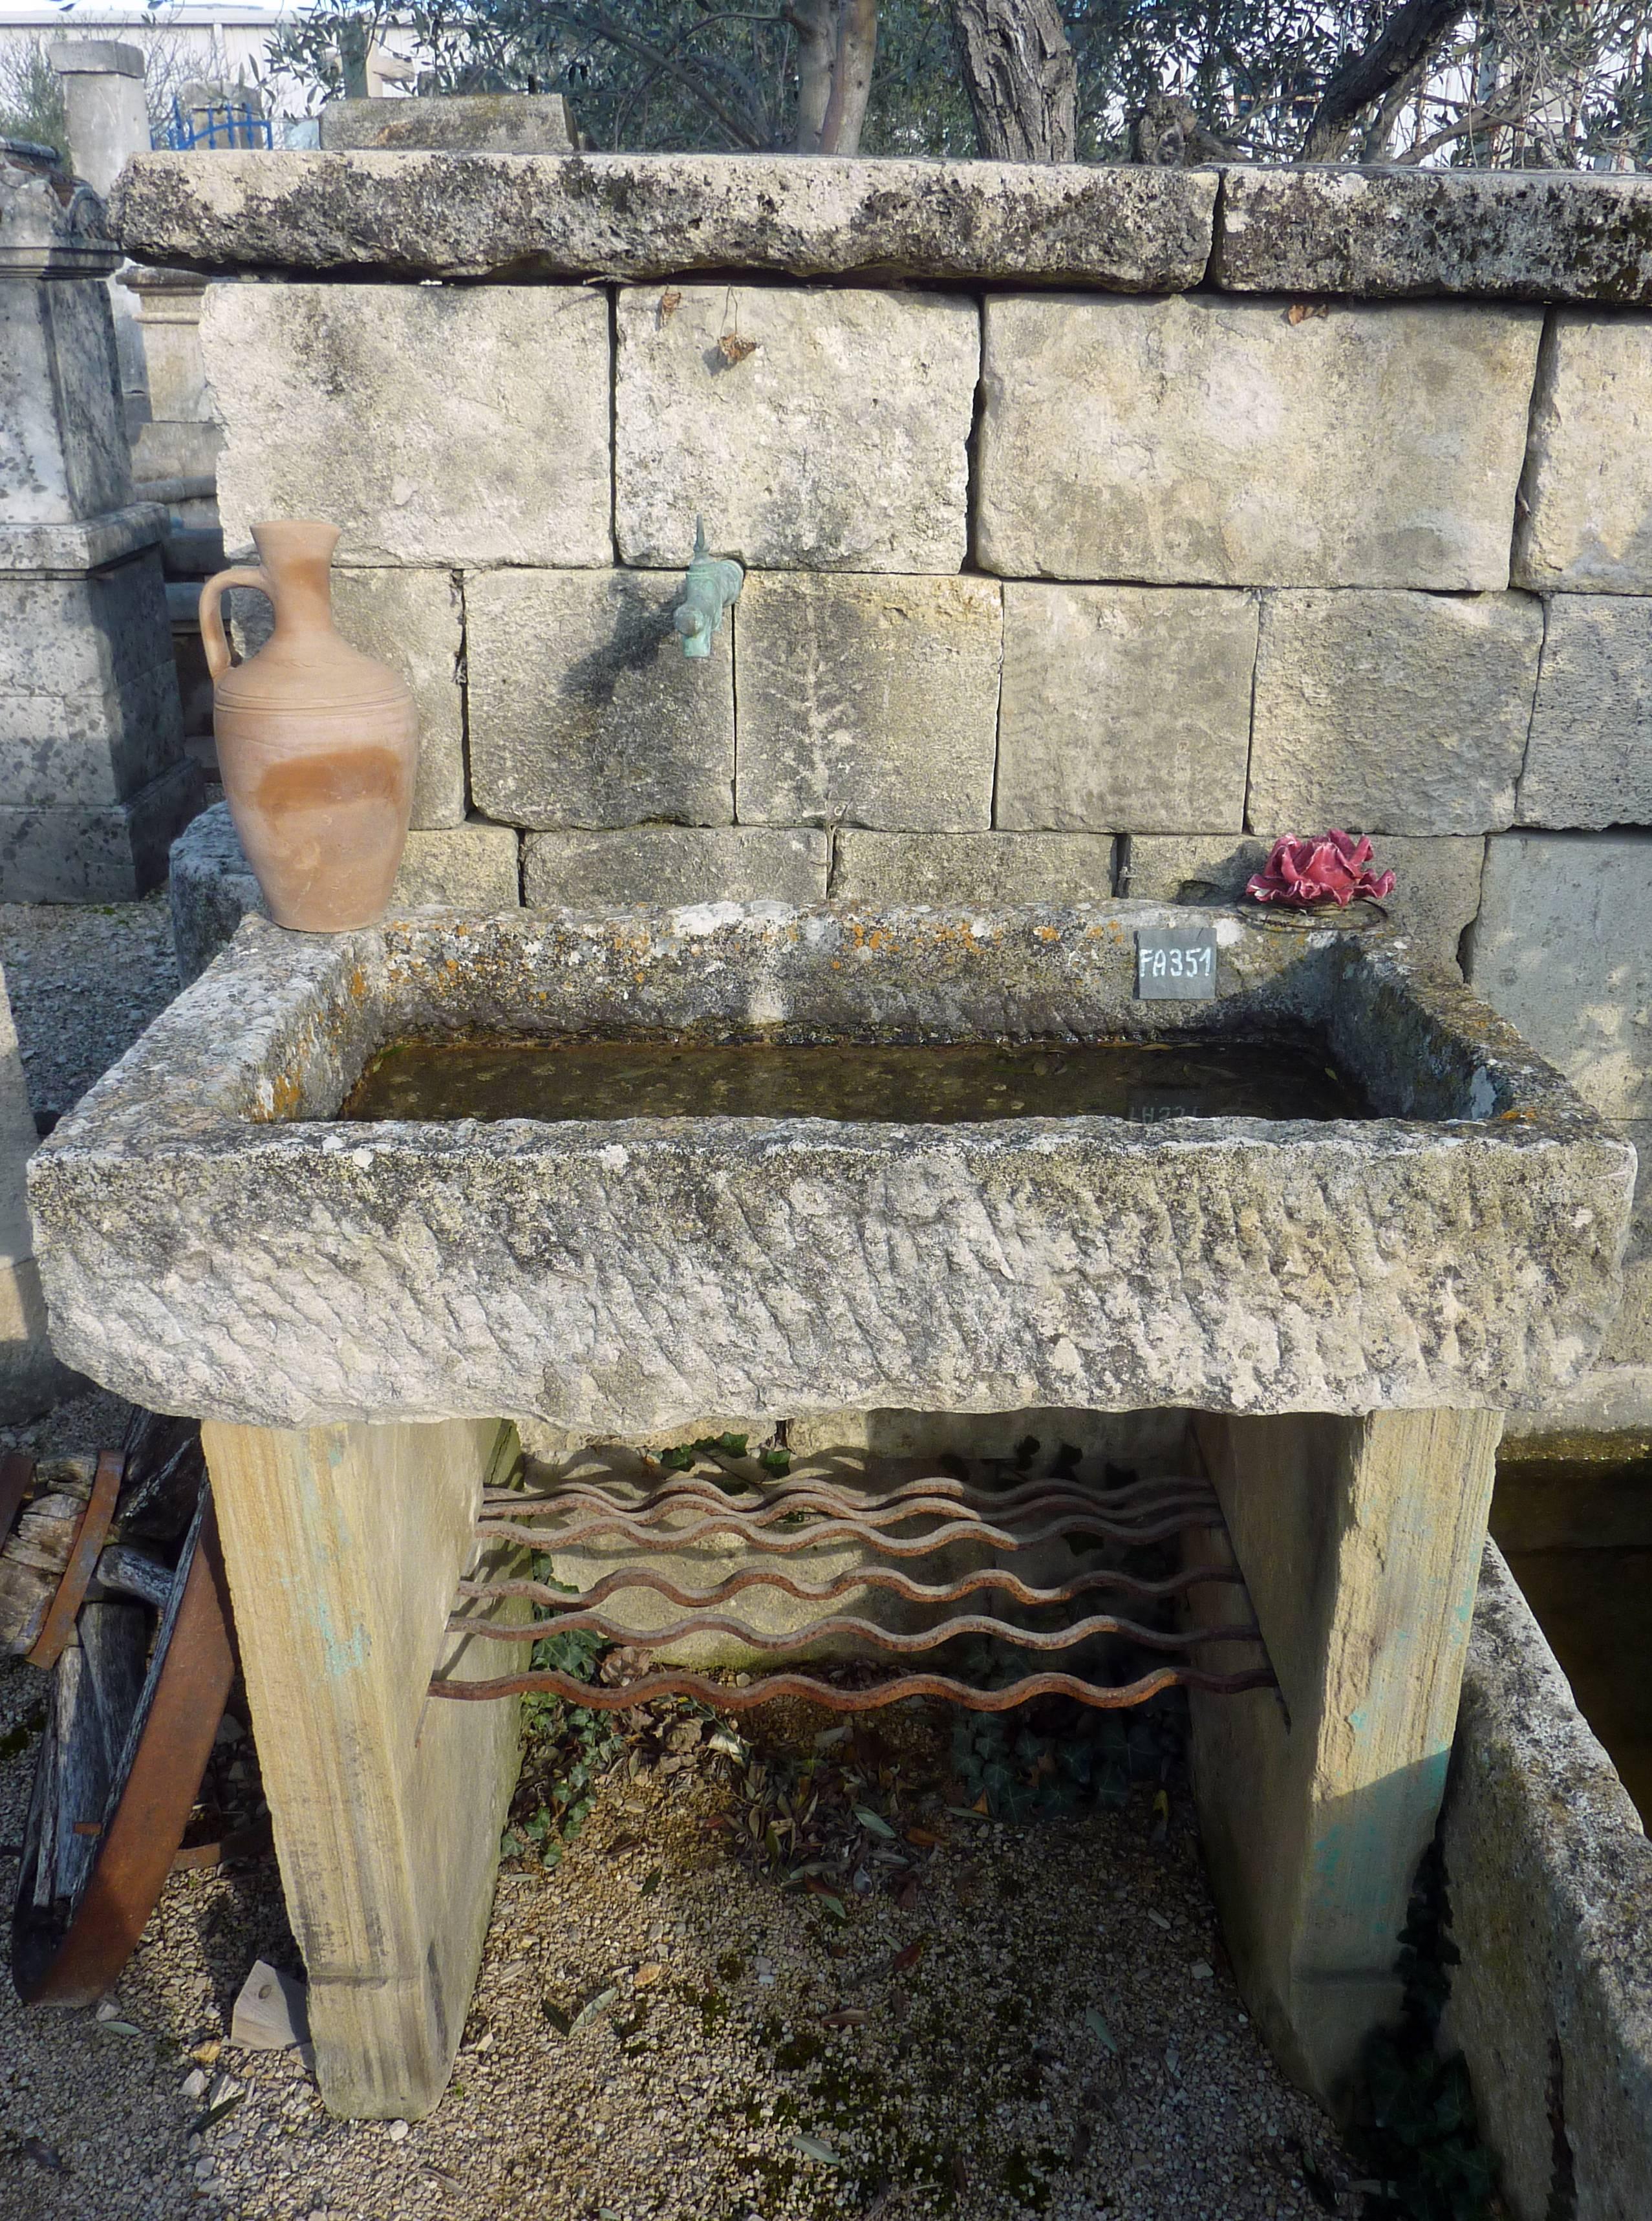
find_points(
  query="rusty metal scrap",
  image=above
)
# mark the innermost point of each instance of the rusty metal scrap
(641, 1522)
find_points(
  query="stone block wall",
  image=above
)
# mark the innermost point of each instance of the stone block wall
(1080, 559)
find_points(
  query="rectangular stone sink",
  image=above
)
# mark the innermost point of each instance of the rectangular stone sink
(214, 1239)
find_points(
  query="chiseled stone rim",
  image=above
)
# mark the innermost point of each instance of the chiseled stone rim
(205, 1247)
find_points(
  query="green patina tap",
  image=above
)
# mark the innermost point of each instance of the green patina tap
(713, 582)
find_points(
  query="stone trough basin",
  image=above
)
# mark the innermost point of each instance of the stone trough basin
(1346, 1291)
(213, 1238)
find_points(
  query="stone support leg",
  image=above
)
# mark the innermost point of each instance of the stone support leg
(343, 1545)
(1360, 1541)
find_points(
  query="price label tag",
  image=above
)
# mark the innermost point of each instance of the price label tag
(1176, 964)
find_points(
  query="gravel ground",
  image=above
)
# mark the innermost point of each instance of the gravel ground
(650, 2035)
(84, 981)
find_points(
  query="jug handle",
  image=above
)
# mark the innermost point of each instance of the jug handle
(212, 632)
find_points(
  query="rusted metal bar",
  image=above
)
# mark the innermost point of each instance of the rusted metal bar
(848, 1583)
(728, 1697)
(868, 1631)
(755, 1533)
(89, 1538)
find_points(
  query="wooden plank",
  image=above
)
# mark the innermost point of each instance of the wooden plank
(1360, 1541)
(343, 1546)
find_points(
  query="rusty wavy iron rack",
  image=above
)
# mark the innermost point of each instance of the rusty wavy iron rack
(801, 1515)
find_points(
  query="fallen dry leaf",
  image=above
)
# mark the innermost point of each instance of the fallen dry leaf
(669, 303)
(646, 1977)
(846, 2016)
(734, 349)
(1299, 311)
(909, 1957)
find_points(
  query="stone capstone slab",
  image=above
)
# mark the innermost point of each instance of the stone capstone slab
(414, 622)
(1502, 234)
(1550, 1880)
(1589, 759)
(211, 1241)
(472, 123)
(1202, 440)
(663, 866)
(885, 870)
(1393, 712)
(584, 710)
(1436, 883)
(434, 424)
(824, 428)
(1125, 706)
(1560, 949)
(1133, 230)
(63, 450)
(867, 701)
(1585, 521)
(474, 867)
(93, 851)
(89, 706)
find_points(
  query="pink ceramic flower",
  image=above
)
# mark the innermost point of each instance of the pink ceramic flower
(1334, 868)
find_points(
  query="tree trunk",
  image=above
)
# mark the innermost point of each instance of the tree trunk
(816, 22)
(857, 46)
(1408, 38)
(1022, 84)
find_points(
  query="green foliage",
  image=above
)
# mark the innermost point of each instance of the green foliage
(1518, 83)
(566, 1748)
(1421, 2134)
(31, 96)
(1058, 1757)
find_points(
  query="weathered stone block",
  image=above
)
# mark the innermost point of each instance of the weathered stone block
(666, 865)
(31, 1378)
(820, 429)
(1584, 524)
(1436, 883)
(1628, 1338)
(470, 868)
(1589, 758)
(870, 701)
(479, 122)
(63, 451)
(1551, 1893)
(584, 710)
(435, 424)
(89, 707)
(636, 216)
(199, 1255)
(1560, 949)
(109, 852)
(1125, 705)
(1392, 713)
(1503, 234)
(413, 621)
(984, 869)
(475, 867)
(1201, 439)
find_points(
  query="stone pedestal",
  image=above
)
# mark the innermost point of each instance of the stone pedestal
(94, 783)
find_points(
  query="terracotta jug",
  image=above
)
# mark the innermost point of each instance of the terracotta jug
(317, 742)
